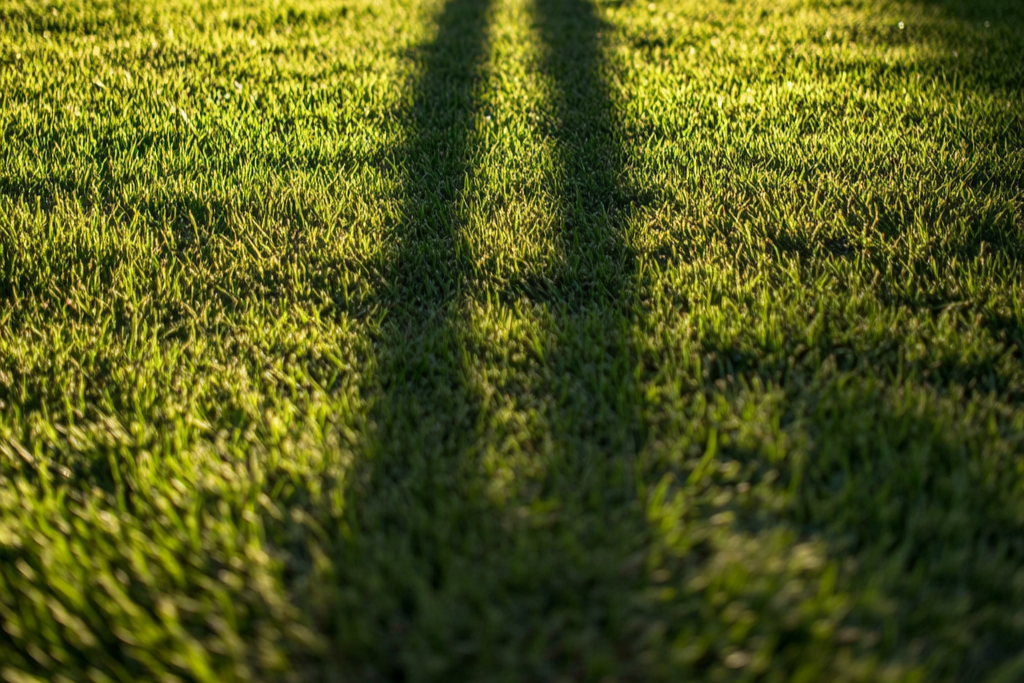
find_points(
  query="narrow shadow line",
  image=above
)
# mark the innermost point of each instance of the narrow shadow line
(412, 500)
(596, 292)
(426, 273)
(599, 266)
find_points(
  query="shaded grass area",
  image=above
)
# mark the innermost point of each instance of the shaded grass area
(511, 341)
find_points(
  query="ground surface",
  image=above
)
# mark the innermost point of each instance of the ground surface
(512, 340)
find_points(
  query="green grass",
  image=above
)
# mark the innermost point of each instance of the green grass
(512, 340)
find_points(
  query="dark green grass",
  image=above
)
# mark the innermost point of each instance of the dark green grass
(522, 340)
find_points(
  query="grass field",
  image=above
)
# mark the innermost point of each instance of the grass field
(512, 340)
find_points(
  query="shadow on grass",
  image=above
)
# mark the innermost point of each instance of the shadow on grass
(437, 580)
(414, 501)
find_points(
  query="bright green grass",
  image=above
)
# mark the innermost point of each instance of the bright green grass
(512, 340)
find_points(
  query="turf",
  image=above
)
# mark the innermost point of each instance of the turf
(512, 340)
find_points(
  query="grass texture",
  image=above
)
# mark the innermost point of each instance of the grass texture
(512, 340)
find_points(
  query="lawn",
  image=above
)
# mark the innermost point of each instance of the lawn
(512, 340)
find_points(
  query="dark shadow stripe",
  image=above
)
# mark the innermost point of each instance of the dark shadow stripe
(596, 294)
(414, 500)
(592, 196)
